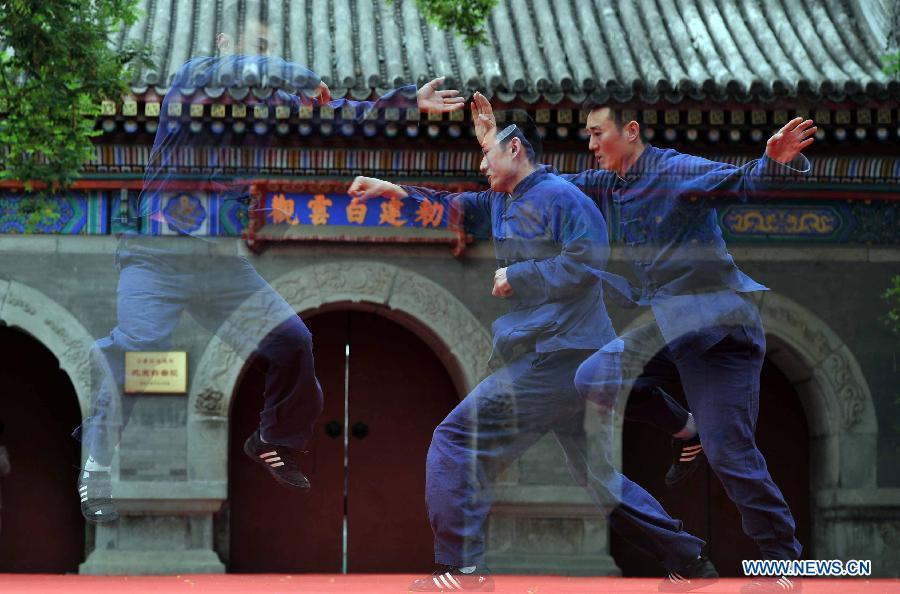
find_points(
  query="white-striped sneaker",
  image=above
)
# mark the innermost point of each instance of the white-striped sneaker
(698, 573)
(686, 457)
(95, 493)
(278, 460)
(450, 579)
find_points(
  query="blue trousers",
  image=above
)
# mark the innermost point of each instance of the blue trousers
(651, 404)
(501, 418)
(721, 384)
(225, 295)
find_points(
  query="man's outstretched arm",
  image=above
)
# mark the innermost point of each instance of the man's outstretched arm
(473, 207)
(429, 98)
(782, 162)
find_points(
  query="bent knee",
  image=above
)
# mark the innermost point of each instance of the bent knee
(598, 380)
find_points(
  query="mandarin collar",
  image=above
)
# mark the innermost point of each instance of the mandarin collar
(645, 163)
(531, 180)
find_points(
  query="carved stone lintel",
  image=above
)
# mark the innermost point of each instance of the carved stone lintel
(15, 301)
(209, 403)
(832, 365)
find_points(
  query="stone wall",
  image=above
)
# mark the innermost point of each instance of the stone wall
(823, 315)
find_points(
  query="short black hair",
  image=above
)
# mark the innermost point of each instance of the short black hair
(617, 115)
(523, 128)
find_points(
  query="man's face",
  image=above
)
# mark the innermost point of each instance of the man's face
(608, 143)
(497, 162)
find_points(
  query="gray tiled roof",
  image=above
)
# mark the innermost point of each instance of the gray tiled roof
(744, 50)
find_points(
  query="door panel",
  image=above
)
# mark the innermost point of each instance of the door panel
(401, 391)
(41, 527)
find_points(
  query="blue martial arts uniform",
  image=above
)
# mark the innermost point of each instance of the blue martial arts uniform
(553, 242)
(159, 280)
(714, 336)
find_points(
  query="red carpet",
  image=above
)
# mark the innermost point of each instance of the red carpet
(383, 584)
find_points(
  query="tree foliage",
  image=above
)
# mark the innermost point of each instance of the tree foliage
(464, 17)
(891, 64)
(56, 67)
(892, 296)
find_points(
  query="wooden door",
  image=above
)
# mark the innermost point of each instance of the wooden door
(399, 392)
(701, 502)
(41, 527)
(276, 529)
(396, 392)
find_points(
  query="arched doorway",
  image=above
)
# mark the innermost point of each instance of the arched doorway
(700, 502)
(41, 527)
(385, 391)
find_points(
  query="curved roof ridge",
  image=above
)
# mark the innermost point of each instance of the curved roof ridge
(548, 49)
(628, 74)
(698, 75)
(747, 44)
(742, 75)
(649, 67)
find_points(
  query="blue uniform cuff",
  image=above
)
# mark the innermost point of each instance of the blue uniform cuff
(800, 166)
(516, 276)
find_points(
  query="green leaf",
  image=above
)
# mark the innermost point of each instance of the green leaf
(56, 68)
(464, 17)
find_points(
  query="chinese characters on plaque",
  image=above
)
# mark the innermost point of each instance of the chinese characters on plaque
(155, 372)
(287, 208)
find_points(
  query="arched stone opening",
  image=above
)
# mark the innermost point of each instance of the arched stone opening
(420, 304)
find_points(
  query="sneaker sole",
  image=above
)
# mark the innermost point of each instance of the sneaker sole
(485, 588)
(797, 588)
(252, 455)
(696, 584)
(103, 519)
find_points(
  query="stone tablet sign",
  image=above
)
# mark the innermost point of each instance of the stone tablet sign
(155, 372)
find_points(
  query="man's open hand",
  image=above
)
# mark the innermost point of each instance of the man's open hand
(787, 143)
(482, 117)
(431, 100)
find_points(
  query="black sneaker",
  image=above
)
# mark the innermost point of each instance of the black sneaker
(448, 578)
(766, 585)
(687, 455)
(278, 460)
(95, 492)
(699, 573)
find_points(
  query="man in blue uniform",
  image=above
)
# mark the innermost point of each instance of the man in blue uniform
(551, 245)
(715, 344)
(161, 278)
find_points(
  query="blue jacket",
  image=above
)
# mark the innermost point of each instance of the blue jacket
(553, 241)
(293, 86)
(671, 234)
